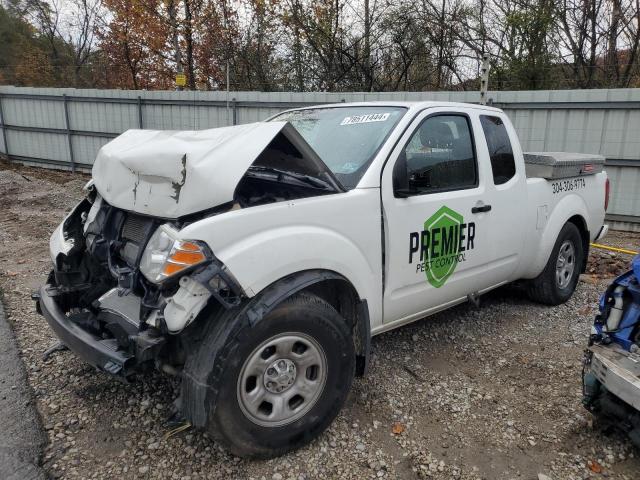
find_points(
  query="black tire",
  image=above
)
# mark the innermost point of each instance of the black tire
(226, 421)
(546, 288)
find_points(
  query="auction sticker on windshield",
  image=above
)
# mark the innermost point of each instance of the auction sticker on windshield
(372, 117)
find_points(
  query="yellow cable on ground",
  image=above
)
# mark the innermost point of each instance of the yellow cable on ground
(614, 249)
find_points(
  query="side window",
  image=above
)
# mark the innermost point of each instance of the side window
(500, 151)
(438, 157)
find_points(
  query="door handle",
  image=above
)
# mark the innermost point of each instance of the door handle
(483, 208)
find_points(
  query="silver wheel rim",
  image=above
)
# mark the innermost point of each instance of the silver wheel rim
(566, 264)
(282, 379)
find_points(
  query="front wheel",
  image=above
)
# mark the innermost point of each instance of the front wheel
(284, 380)
(559, 279)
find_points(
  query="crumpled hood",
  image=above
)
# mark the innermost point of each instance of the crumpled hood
(175, 173)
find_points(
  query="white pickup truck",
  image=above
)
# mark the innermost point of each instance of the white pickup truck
(255, 262)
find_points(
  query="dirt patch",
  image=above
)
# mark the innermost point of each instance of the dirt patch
(606, 264)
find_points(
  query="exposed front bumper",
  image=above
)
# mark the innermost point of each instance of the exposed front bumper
(611, 387)
(104, 354)
(619, 372)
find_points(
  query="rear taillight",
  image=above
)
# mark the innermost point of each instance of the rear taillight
(607, 190)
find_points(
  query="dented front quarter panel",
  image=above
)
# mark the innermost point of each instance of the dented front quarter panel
(263, 244)
(170, 174)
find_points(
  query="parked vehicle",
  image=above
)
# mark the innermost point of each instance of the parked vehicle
(257, 261)
(611, 373)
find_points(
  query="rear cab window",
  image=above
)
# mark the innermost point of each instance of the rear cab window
(503, 164)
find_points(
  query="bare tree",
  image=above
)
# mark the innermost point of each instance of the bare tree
(354, 45)
(46, 15)
(83, 17)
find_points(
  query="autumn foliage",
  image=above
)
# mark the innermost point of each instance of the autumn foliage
(320, 45)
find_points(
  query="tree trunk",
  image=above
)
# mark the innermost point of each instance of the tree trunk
(173, 21)
(611, 58)
(368, 74)
(188, 36)
(297, 57)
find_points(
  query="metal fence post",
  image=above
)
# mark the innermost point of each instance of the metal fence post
(234, 106)
(4, 131)
(140, 124)
(68, 128)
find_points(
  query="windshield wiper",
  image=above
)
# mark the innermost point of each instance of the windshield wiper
(300, 178)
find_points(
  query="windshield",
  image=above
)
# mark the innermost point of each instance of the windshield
(345, 138)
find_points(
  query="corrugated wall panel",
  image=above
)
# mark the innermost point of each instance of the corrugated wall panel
(210, 117)
(594, 125)
(631, 147)
(38, 145)
(85, 148)
(625, 191)
(102, 117)
(33, 113)
(584, 127)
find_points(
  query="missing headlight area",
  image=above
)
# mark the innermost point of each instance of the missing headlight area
(112, 284)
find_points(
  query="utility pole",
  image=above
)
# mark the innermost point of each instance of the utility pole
(228, 55)
(181, 79)
(228, 93)
(367, 47)
(484, 78)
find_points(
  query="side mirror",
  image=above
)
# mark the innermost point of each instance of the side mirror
(402, 185)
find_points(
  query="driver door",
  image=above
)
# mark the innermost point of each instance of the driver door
(433, 192)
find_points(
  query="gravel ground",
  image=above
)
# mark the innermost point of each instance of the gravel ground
(488, 393)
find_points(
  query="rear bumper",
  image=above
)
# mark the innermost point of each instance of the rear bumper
(604, 229)
(104, 354)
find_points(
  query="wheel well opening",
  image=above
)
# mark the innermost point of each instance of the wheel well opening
(342, 296)
(580, 223)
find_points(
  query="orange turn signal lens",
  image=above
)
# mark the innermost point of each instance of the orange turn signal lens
(190, 258)
(189, 247)
(183, 256)
(171, 268)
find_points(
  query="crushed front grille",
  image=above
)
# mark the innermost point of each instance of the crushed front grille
(134, 228)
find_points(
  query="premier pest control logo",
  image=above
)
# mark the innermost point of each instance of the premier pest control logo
(443, 243)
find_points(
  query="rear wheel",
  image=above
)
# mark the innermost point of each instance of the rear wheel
(559, 279)
(283, 380)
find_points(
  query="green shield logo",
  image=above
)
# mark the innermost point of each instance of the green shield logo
(442, 258)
